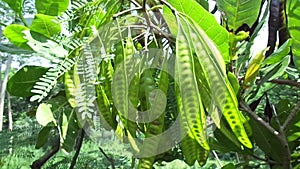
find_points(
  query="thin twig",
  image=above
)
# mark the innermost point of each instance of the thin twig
(218, 160)
(286, 82)
(265, 160)
(78, 147)
(2, 24)
(214, 10)
(164, 34)
(110, 159)
(125, 11)
(291, 116)
(135, 3)
(276, 117)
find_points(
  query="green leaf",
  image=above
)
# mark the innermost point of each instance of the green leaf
(239, 12)
(44, 114)
(192, 151)
(229, 166)
(223, 143)
(293, 14)
(189, 99)
(274, 71)
(45, 25)
(59, 108)
(294, 136)
(204, 4)
(51, 7)
(279, 54)
(15, 5)
(69, 129)
(22, 82)
(14, 33)
(70, 88)
(222, 93)
(254, 67)
(233, 82)
(267, 141)
(43, 136)
(13, 49)
(205, 20)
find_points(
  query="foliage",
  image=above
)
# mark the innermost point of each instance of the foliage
(166, 77)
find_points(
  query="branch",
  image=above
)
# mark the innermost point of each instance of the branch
(110, 159)
(279, 135)
(265, 160)
(286, 82)
(37, 164)
(247, 109)
(126, 11)
(291, 116)
(79, 145)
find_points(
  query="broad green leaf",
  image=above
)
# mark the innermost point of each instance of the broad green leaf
(15, 5)
(43, 136)
(45, 25)
(70, 88)
(239, 12)
(192, 151)
(22, 82)
(226, 140)
(14, 34)
(267, 141)
(51, 7)
(229, 166)
(156, 127)
(189, 99)
(279, 54)
(69, 129)
(223, 96)
(44, 114)
(205, 20)
(276, 70)
(293, 14)
(13, 49)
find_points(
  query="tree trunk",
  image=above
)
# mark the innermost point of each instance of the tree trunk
(3, 89)
(9, 114)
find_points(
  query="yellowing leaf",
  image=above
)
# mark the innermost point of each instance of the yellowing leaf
(254, 67)
(44, 114)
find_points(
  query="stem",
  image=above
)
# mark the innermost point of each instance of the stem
(79, 145)
(110, 159)
(37, 164)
